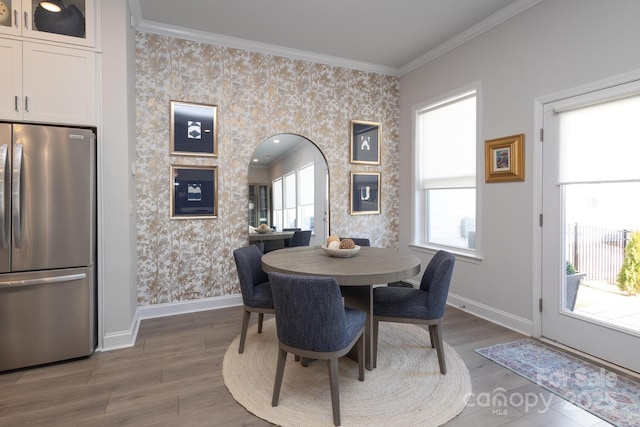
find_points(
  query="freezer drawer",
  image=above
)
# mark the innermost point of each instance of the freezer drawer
(46, 316)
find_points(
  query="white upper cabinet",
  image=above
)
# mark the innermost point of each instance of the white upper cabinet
(63, 21)
(11, 80)
(58, 84)
(47, 84)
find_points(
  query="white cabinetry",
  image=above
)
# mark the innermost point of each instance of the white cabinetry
(45, 83)
(75, 24)
(48, 62)
(11, 79)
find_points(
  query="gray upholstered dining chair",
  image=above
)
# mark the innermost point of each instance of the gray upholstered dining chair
(312, 322)
(424, 306)
(300, 238)
(255, 287)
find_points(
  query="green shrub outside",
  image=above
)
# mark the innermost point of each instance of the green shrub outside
(629, 275)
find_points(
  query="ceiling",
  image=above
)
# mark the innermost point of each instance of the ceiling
(389, 37)
(276, 147)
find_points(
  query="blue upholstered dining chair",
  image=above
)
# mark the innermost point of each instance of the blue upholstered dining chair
(286, 241)
(300, 238)
(255, 287)
(424, 306)
(313, 323)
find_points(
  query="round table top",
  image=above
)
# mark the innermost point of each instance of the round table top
(368, 267)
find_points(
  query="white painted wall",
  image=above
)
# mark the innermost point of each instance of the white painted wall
(554, 46)
(116, 203)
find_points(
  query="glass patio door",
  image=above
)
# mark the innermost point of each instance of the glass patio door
(591, 207)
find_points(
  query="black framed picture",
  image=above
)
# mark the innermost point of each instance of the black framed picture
(365, 142)
(365, 193)
(194, 129)
(194, 192)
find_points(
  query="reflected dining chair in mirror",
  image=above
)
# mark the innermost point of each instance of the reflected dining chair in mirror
(423, 306)
(360, 241)
(255, 287)
(312, 322)
(300, 238)
(286, 241)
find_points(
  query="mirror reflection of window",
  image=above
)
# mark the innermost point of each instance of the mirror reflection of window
(277, 203)
(297, 175)
(306, 204)
(290, 201)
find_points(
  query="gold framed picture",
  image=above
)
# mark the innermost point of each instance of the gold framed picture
(194, 129)
(365, 142)
(504, 159)
(365, 193)
(194, 192)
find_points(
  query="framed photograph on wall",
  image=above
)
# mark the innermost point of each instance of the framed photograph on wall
(365, 142)
(365, 193)
(194, 129)
(504, 159)
(194, 192)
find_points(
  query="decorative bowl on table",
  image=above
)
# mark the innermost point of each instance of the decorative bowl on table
(263, 230)
(340, 253)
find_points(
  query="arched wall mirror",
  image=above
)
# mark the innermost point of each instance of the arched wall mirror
(288, 188)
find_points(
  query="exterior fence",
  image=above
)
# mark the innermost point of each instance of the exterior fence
(598, 252)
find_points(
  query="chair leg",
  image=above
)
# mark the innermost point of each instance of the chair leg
(260, 319)
(335, 392)
(432, 336)
(434, 330)
(243, 332)
(282, 358)
(374, 357)
(360, 350)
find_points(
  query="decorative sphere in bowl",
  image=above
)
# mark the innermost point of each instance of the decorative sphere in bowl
(341, 253)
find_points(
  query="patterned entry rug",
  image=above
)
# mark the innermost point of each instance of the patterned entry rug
(612, 397)
(406, 389)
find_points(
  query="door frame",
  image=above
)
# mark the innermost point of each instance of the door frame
(537, 181)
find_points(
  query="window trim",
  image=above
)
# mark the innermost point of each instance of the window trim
(418, 224)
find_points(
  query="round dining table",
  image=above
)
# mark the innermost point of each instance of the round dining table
(356, 274)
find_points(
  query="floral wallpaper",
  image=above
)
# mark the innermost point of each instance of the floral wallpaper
(257, 96)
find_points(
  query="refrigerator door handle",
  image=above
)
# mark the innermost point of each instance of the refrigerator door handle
(4, 221)
(16, 197)
(43, 281)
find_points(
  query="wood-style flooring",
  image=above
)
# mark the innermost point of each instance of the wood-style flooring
(173, 377)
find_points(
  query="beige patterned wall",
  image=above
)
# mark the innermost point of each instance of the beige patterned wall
(257, 96)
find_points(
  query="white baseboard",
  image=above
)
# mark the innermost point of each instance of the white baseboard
(502, 318)
(127, 338)
(122, 339)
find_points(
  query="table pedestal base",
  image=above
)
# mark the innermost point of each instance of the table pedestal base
(361, 297)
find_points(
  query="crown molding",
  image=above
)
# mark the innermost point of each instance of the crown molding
(265, 48)
(476, 30)
(471, 33)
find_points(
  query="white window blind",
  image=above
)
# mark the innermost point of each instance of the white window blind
(600, 142)
(446, 158)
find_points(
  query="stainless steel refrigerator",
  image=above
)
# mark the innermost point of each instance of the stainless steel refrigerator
(47, 244)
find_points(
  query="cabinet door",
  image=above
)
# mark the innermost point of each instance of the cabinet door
(74, 24)
(10, 79)
(59, 84)
(10, 13)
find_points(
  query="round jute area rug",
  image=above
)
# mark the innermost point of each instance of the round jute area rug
(406, 388)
